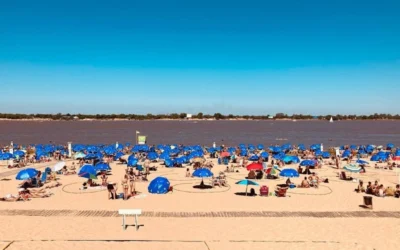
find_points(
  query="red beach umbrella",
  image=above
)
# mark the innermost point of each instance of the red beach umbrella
(255, 166)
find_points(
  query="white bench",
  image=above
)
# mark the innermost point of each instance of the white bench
(125, 212)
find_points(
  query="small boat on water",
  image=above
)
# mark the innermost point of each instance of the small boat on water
(294, 120)
(331, 120)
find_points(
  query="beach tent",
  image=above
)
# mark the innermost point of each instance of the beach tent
(159, 185)
(87, 171)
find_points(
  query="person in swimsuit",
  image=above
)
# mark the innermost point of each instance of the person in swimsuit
(132, 182)
(125, 186)
(104, 179)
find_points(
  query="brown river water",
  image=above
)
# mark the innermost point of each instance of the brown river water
(202, 132)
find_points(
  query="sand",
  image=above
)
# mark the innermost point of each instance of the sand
(329, 217)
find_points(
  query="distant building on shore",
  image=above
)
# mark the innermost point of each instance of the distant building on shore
(189, 116)
(270, 117)
(76, 118)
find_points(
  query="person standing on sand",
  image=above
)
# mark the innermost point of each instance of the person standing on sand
(125, 186)
(337, 162)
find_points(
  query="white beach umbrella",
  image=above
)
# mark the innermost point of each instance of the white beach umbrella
(58, 166)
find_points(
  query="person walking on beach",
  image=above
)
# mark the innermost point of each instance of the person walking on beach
(337, 162)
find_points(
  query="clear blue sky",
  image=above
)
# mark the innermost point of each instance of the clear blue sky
(253, 57)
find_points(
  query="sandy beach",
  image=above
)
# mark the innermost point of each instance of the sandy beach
(329, 217)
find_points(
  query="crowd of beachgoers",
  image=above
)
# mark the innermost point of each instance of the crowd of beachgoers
(273, 162)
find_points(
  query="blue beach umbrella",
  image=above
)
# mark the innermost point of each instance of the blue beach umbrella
(152, 156)
(264, 155)
(203, 173)
(326, 155)
(169, 163)
(102, 166)
(118, 156)
(289, 172)
(361, 162)
(26, 174)
(19, 153)
(132, 161)
(6, 156)
(307, 163)
(254, 158)
(260, 147)
(87, 171)
(159, 185)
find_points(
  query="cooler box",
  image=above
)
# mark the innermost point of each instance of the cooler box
(264, 191)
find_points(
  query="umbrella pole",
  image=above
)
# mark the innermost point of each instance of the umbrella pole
(246, 189)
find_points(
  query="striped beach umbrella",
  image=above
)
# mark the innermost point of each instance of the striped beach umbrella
(352, 168)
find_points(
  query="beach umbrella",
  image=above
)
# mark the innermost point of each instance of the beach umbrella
(118, 155)
(27, 173)
(247, 183)
(19, 153)
(102, 166)
(152, 156)
(362, 162)
(79, 155)
(225, 154)
(169, 163)
(346, 154)
(260, 147)
(352, 168)
(307, 163)
(159, 185)
(289, 172)
(6, 156)
(301, 147)
(389, 146)
(47, 170)
(326, 155)
(58, 166)
(87, 171)
(264, 155)
(254, 158)
(202, 173)
(255, 166)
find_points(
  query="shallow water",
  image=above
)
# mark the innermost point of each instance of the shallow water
(203, 132)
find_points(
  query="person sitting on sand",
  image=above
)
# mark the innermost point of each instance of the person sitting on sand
(397, 191)
(188, 174)
(362, 171)
(300, 170)
(304, 183)
(314, 180)
(369, 189)
(380, 191)
(360, 187)
(389, 191)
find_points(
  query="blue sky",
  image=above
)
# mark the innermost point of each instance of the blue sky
(240, 57)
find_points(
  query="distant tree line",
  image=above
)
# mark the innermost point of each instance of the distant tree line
(176, 116)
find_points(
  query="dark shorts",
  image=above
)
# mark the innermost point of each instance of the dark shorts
(110, 187)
